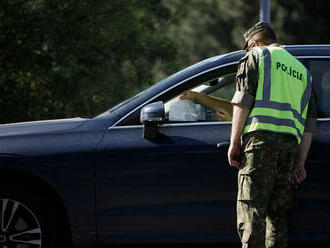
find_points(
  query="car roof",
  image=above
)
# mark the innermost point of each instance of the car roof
(308, 50)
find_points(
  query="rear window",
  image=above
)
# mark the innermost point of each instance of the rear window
(320, 70)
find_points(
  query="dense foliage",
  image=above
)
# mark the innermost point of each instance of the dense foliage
(63, 58)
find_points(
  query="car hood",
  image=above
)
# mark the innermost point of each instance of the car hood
(38, 127)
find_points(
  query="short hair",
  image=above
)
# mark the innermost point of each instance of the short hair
(255, 31)
(267, 35)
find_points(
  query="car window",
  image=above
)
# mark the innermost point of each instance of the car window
(320, 69)
(218, 82)
(178, 110)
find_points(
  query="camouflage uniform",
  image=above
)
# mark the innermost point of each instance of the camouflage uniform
(264, 178)
(264, 188)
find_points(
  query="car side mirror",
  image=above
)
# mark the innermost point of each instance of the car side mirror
(152, 115)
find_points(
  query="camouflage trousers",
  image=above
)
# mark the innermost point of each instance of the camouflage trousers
(265, 190)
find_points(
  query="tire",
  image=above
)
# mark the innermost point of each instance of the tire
(27, 220)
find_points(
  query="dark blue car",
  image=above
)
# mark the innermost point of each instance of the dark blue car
(93, 181)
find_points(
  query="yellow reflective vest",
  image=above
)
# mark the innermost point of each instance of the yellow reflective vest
(283, 92)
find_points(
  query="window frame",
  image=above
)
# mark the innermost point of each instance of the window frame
(306, 59)
(196, 79)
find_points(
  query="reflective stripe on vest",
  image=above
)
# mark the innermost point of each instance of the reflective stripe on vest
(282, 108)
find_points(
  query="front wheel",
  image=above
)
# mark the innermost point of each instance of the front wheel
(26, 222)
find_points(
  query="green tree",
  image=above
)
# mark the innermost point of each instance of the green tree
(211, 27)
(301, 22)
(62, 58)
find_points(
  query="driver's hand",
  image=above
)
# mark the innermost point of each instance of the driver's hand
(223, 115)
(189, 95)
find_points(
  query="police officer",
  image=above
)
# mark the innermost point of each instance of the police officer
(274, 116)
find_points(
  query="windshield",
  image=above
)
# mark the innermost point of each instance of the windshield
(129, 100)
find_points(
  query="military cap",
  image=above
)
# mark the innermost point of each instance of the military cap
(256, 28)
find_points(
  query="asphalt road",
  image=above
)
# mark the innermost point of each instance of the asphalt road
(217, 245)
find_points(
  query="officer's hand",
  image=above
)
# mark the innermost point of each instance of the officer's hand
(299, 174)
(223, 115)
(234, 154)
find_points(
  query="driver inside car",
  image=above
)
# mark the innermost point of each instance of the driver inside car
(222, 108)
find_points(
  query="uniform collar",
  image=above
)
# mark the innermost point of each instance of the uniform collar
(275, 45)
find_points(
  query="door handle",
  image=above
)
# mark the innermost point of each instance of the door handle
(223, 146)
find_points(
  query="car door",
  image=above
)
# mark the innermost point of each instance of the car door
(310, 215)
(171, 186)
